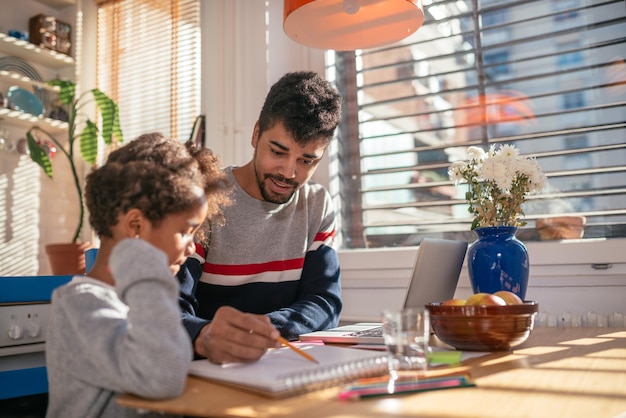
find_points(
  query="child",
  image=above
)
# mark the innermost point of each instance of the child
(118, 330)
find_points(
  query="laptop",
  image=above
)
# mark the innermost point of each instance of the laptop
(434, 278)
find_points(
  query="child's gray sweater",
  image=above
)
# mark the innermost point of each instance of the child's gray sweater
(103, 341)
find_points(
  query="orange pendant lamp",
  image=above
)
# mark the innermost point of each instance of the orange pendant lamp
(345, 25)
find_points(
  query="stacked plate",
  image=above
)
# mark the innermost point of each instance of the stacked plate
(23, 67)
(24, 101)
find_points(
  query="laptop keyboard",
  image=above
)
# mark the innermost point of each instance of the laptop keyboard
(373, 332)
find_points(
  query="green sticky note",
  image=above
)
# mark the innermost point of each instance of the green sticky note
(444, 357)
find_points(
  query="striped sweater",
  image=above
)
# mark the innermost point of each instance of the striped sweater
(267, 258)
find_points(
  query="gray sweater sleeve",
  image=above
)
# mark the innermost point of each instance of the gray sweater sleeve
(153, 351)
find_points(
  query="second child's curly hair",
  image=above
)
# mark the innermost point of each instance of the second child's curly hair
(157, 175)
(216, 186)
(308, 106)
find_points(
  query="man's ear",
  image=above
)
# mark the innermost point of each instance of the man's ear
(255, 135)
(134, 223)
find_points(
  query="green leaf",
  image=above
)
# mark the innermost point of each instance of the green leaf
(110, 117)
(89, 142)
(38, 155)
(68, 90)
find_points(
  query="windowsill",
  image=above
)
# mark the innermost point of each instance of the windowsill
(565, 276)
(566, 252)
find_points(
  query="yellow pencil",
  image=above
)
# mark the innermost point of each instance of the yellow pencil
(297, 350)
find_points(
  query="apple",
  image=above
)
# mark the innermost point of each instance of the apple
(486, 299)
(509, 297)
(453, 302)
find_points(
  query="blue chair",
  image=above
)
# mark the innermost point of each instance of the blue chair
(90, 258)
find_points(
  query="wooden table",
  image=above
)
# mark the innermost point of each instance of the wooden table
(558, 372)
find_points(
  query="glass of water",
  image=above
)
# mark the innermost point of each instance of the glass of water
(406, 333)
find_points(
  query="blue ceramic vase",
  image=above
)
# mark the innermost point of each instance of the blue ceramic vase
(497, 260)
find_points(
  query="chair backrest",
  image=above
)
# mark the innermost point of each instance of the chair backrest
(90, 258)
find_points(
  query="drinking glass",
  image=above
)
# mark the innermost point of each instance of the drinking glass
(406, 333)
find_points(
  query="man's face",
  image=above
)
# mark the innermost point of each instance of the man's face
(281, 165)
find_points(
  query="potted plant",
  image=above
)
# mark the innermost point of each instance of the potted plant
(79, 144)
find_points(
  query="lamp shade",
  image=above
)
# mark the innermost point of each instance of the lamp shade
(345, 25)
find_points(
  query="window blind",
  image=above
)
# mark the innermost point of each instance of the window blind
(546, 76)
(148, 56)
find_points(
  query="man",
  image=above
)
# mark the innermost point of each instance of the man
(272, 252)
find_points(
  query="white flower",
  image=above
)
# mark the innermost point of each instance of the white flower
(509, 151)
(456, 171)
(476, 153)
(498, 182)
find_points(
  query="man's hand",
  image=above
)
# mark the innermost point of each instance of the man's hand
(234, 336)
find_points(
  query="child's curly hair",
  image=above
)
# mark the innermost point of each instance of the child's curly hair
(157, 175)
(216, 186)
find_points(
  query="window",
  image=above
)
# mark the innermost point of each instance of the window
(496, 63)
(566, 10)
(554, 97)
(572, 100)
(149, 62)
(570, 55)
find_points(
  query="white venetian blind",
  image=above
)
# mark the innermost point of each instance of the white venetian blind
(546, 76)
(149, 62)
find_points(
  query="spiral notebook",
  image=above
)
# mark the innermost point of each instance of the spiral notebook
(281, 372)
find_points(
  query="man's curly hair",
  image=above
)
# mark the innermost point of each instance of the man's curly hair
(157, 175)
(308, 106)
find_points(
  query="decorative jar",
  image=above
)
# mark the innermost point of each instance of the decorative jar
(497, 260)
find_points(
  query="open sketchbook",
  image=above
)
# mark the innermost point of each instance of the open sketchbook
(282, 372)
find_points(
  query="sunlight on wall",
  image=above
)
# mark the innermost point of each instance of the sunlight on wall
(34, 211)
(19, 227)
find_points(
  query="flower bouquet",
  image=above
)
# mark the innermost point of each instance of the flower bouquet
(498, 181)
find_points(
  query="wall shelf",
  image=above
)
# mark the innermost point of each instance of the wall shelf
(26, 120)
(18, 47)
(25, 82)
(58, 4)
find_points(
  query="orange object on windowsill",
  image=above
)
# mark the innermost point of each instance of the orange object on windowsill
(561, 227)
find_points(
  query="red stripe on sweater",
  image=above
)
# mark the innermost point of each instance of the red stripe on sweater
(323, 236)
(249, 269)
(200, 250)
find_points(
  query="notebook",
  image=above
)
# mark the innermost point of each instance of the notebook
(434, 278)
(281, 372)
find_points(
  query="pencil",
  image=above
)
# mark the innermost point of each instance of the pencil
(297, 350)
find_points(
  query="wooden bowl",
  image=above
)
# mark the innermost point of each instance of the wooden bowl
(483, 328)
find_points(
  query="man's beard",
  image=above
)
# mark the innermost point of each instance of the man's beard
(268, 196)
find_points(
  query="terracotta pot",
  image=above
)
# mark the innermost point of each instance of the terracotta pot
(67, 258)
(561, 227)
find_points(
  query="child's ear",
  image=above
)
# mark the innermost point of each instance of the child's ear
(134, 222)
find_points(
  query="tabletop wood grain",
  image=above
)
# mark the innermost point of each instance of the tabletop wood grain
(558, 372)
